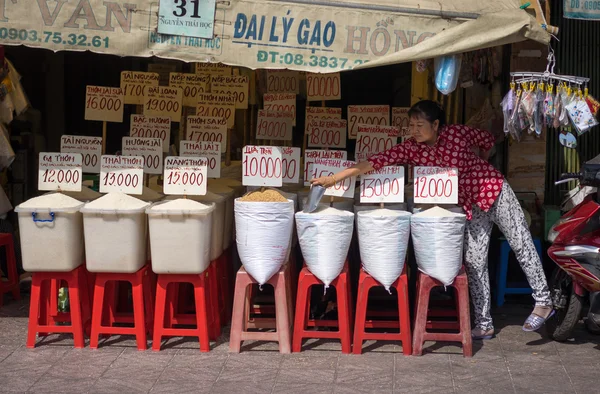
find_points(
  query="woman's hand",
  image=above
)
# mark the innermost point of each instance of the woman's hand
(325, 181)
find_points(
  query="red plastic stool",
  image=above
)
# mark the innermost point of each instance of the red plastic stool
(401, 322)
(42, 319)
(143, 309)
(283, 313)
(302, 320)
(422, 322)
(223, 265)
(12, 284)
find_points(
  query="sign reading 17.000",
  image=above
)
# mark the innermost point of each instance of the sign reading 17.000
(191, 18)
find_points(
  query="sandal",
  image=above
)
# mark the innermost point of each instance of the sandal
(481, 334)
(535, 322)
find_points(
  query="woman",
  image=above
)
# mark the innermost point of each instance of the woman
(483, 194)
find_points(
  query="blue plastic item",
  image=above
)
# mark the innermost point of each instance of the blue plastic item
(447, 70)
(502, 287)
(34, 216)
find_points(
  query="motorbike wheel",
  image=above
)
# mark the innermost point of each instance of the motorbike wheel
(568, 306)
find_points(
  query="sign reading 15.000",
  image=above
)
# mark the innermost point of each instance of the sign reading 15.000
(191, 18)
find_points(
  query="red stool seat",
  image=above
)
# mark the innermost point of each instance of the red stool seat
(401, 322)
(302, 320)
(424, 313)
(41, 317)
(281, 282)
(12, 283)
(143, 306)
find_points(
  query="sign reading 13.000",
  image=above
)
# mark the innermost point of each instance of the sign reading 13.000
(191, 18)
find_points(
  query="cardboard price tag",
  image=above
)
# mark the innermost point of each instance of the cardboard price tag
(237, 86)
(212, 68)
(367, 114)
(310, 155)
(191, 85)
(60, 171)
(203, 128)
(323, 87)
(90, 149)
(164, 101)
(328, 167)
(104, 104)
(185, 175)
(135, 85)
(274, 125)
(280, 102)
(320, 113)
(217, 106)
(435, 185)
(262, 166)
(210, 150)
(290, 164)
(385, 185)
(374, 139)
(151, 127)
(148, 148)
(124, 174)
(327, 133)
(401, 120)
(283, 81)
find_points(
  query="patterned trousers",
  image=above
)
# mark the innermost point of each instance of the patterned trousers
(508, 215)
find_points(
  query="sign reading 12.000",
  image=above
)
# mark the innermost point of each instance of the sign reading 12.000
(192, 18)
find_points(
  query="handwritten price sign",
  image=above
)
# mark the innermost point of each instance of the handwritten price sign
(185, 175)
(90, 149)
(320, 113)
(367, 114)
(310, 155)
(280, 102)
(203, 128)
(151, 127)
(401, 120)
(436, 185)
(212, 68)
(329, 167)
(104, 104)
(135, 85)
(60, 171)
(217, 106)
(385, 185)
(283, 81)
(323, 87)
(274, 125)
(327, 133)
(191, 85)
(124, 174)
(262, 166)
(148, 148)
(163, 101)
(290, 164)
(210, 150)
(236, 86)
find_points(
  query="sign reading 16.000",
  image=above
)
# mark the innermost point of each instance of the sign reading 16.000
(191, 18)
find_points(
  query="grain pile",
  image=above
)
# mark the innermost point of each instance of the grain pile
(263, 196)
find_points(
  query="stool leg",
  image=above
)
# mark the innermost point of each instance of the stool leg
(404, 312)
(148, 302)
(464, 318)
(344, 313)
(159, 314)
(45, 318)
(282, 314)
(97, 311)
(11, 262)
(238, 314)
(139, 313)
(201, 313)
(502, 273)
(421, 318)
(302, 306)
(361, 315)
(34, 310)
(76, 320)
(54, 287)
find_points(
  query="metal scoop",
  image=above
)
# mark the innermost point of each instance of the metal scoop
(314, 197)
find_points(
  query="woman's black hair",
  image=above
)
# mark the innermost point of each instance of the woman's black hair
(429, 110)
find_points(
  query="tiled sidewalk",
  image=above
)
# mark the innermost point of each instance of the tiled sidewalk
(513, 362)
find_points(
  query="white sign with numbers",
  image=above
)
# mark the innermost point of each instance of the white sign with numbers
(385, 185)
(235, 85)
(290, 164)
(401, 120)
(274, 125)
(217, 106)
(435, 185)
(149, 148)
(104, 104)
(327, 133)
(164, 101)
(366, 115)
(60, 171)
(328, 167)
(185, 175)
(205, 128)
(210, 150)
(151, 127)
(89, 147)
(123, 174)
(320, 113)
(262, 166)
(281, 102)
(323, 87)
(310, 155)
(283, 81)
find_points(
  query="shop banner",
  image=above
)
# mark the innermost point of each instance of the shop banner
(582, 9)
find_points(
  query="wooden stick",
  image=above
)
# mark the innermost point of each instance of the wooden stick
(228, 152)
(104, 137)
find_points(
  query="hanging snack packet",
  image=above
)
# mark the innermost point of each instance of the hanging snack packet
(508, 106)
(538, 112)
(558, 107)
(580, 115)
(593, 104)
(549, 106)
(565, 100)
(528, 106)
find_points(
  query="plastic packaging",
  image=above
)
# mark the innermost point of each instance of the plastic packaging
(580, 115)
(447, 71)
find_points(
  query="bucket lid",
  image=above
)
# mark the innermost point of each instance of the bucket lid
(181, 206)
(54, 202)
(115, 203)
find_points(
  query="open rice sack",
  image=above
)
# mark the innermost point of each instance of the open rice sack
(325, 237)
(383, 236)
(263, 233)
(438, 237)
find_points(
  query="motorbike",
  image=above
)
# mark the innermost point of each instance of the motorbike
(575, 249)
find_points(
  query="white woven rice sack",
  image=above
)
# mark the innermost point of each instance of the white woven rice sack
(263, 236)
(383, 239)
(325, 236)
(438, 236)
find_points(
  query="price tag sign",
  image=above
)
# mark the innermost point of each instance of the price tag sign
(212, 68)
(274, 125)
(385, 185)
(163, 101)
(151, 127)
(135, 85)
(90, 149)
(124, 174)
(60, 171)
(191, 85)
(203, 128)
(148, 148)
(280, 102)
(310, 155)
(185, 175)
(436, 185)
(283, 81)
(217, 106)
(262, 166)
(193, 19)
(290, 164)
(104, 104)
(210, 150)
(401, 120)
(328, 167)
(367, 114)
(323, 87)
(327, 133)
(237, 86)
(374, 139)
(320, 113)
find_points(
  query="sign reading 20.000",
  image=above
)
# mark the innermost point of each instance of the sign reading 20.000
(191, 18)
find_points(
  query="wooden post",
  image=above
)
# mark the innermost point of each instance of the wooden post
(104, 137)
(228, 152)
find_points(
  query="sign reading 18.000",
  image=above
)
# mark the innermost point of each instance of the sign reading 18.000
(191, 18)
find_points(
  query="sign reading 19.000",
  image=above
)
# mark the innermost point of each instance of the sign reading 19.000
(191, 18)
